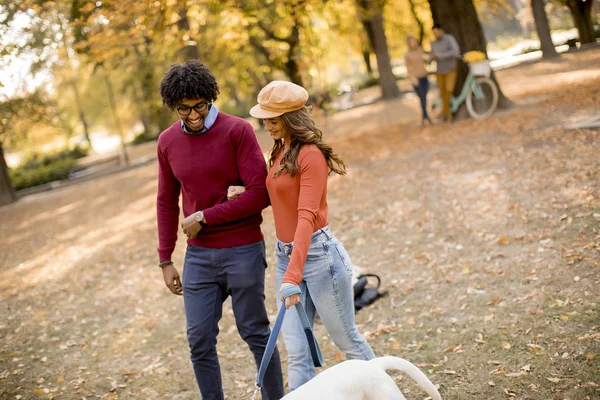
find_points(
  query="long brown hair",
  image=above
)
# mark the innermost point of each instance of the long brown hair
(302, 130)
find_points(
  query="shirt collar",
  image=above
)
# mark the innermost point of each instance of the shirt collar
(208, 122)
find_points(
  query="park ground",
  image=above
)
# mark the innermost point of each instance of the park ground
(486, 235)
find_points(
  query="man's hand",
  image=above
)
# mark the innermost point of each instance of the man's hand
(172, 279)
(291, 300)
(235, 191)
(190, 226)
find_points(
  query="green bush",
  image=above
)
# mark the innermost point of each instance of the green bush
(144, 137)
(36, 160)
(23, 178)
(43, 168)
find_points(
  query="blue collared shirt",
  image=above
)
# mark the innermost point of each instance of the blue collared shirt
(208, 122)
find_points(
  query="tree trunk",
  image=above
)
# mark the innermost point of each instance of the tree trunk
(582, 17)
(190, 48)
(371, 12)
(543, 29)
(113, 107)
(418, 20)
(291, 65)
(7, 192)
(367, 57)
(369, 45)
(292, 70)
(82, 118)
(461, 21)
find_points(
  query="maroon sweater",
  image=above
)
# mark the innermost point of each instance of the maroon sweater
(202, 167)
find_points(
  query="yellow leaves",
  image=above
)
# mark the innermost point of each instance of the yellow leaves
(535, 348)
(60, 379)
(506, 345)
(495, 301)
(588, 336)
(503, 240)
(553, 380)
(456, 349)
(564, 317)
(590, 356)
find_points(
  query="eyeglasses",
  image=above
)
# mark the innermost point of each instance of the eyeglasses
(184, 111)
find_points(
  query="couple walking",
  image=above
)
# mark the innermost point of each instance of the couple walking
(444, 50)
(214, 161)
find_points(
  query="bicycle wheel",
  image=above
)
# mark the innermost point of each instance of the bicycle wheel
(482, 98)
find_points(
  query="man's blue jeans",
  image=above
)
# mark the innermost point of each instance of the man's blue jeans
(209, 277)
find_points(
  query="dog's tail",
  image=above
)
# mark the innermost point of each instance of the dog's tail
(409, 369)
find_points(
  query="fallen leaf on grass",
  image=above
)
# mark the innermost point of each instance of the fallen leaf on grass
(455, 349)
(554, 380)
(449, 372)
(506, 345)
(495, 301)
(526, 367)
(590, 356)
(533, 387)
(503, 240)
(534, 347)
(590, 385)
(587, 337)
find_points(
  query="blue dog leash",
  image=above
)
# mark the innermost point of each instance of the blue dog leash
(315, 352)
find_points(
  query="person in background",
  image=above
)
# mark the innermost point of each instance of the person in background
(445, 51)
(415, 67)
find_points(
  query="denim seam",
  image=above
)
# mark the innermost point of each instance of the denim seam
(337, 304)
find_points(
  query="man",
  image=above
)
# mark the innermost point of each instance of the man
(201, 155)
(445, 50)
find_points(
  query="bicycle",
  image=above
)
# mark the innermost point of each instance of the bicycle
(479, 92)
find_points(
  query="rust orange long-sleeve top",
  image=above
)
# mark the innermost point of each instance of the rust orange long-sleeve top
(299, 205)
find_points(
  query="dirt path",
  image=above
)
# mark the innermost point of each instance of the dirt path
(487, 236)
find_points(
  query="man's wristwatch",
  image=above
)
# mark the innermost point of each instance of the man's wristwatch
(163, 264)
(199, 217)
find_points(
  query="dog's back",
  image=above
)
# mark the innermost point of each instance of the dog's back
(362, 380)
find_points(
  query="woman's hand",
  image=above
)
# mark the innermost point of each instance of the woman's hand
(291, 300)
(235, 191)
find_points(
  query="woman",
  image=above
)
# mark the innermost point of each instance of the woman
(308, 254)
(415, 67)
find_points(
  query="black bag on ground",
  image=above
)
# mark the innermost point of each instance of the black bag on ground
(365, 295)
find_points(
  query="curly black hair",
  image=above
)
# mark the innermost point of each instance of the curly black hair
(190, 80)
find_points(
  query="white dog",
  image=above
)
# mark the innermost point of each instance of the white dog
(362, 380)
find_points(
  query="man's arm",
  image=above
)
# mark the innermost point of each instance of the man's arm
(253, 173)
(167, 206)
